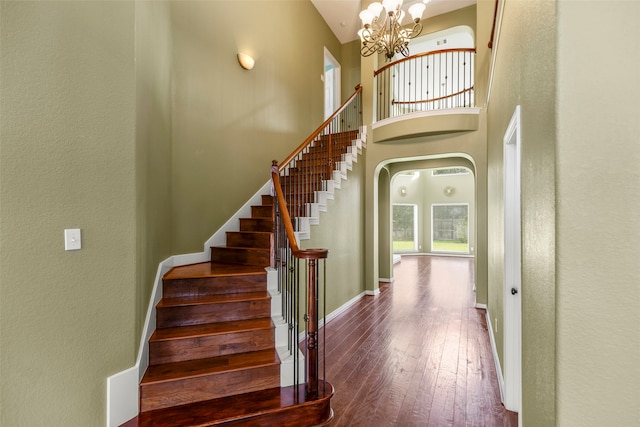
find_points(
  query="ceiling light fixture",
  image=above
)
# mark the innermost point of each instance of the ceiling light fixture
(385, 34)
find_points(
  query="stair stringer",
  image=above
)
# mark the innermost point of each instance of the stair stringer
(282, 334)
(340, 173)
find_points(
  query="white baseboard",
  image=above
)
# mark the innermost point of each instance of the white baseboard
(384, 280)
(344, 307)
(496, 359)
(374, 292)
(335, 313)
(121, 404)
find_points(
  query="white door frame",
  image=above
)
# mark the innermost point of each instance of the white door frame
(332, 84)
(512, 301)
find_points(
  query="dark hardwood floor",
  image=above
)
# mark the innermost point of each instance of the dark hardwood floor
(417, 354)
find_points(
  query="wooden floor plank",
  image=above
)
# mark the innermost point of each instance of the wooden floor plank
(417, 354)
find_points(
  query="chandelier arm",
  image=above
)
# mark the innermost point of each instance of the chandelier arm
(403, 49)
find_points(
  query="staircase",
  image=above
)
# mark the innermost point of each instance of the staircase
(213, 359)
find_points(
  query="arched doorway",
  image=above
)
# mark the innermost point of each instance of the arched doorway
(419, 184)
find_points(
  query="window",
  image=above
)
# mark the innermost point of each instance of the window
(450, 228)
(450, 171)
(405, 228)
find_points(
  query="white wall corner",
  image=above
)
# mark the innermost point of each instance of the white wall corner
(121, 404)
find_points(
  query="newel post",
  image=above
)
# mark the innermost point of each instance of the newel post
(312, 330)
(330, 155)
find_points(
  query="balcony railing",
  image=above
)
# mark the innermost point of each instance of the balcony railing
(427, 81)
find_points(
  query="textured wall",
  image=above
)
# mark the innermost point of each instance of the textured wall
(598, 194)
(67, 140)
(153, 144)
(229, 123)
(525, 75)
(341, 231)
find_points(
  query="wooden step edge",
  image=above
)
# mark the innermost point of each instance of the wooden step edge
(269, 407)
(178, 371)
(242, 248)
(211, 329)
(249, 232)
(213, 299)
(210, 269)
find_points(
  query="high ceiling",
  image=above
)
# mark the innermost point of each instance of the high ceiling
(342, 15)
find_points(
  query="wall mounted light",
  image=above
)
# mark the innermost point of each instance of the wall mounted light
(246, 61)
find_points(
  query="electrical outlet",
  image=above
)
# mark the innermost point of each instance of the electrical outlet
(72, 239)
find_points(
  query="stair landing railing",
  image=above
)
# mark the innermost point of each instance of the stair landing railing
(302, 272)
(427, 81)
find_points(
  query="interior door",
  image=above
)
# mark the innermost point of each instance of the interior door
(512, 268)
(331, 79)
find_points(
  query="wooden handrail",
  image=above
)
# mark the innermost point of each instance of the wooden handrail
(306, 142)
(300, 183)
(288, 225)
(493, 27)
(418, 55)
(422, 101)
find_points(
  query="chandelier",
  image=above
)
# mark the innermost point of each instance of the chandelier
(385, 34)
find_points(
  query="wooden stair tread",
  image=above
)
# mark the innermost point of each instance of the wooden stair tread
(251, 232)
(238, 408)
(212, 269)
(208, 329)
(241, 247)
(213, 365)
(212, 299)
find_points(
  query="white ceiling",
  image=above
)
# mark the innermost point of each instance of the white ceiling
(342, 15)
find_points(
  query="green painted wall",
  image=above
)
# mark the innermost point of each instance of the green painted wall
(350, 63)
(598, 197)
(341, 231)
(226, 118)
(67, 160)
(524, 75)
(153, 146)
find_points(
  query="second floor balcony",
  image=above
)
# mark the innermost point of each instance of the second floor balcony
(427, 87)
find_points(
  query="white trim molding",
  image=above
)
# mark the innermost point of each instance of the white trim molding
(422, 114)
(496, 359)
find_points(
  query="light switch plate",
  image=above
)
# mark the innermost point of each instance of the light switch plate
(72, 239)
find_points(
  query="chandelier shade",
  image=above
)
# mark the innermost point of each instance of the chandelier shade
(382, 29)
